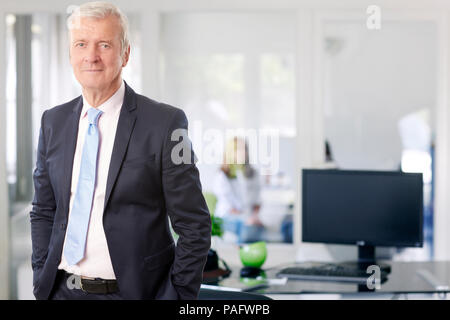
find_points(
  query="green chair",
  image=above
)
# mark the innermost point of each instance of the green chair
(216, 222)
(211, 201)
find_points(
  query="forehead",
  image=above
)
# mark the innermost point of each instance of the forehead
(92, 28)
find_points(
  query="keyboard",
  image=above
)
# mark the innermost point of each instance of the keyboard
(339, 272)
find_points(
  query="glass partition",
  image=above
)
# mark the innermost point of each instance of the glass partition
(379, 102)
(234, 76)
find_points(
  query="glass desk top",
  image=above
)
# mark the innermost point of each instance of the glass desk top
(405, 277)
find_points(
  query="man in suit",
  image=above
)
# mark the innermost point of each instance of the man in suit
(108, 178)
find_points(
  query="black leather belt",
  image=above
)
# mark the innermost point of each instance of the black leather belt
(91, 285)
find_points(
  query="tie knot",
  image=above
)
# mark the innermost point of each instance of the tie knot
(93, 115)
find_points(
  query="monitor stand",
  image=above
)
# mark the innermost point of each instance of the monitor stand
(366, 258)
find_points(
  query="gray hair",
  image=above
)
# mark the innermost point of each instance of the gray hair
(100, 10)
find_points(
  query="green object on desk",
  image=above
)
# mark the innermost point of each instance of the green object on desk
(254, 254)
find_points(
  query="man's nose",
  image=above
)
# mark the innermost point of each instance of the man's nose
(91, 54)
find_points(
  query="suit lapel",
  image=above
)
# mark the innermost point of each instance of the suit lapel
(125, 127)
(70, 143)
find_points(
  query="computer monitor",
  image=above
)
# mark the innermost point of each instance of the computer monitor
(363, 208)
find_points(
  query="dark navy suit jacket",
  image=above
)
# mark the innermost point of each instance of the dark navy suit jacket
(144, 188)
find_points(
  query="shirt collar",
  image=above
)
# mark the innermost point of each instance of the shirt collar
(110, 106)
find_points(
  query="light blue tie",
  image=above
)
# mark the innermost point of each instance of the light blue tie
(82, 204)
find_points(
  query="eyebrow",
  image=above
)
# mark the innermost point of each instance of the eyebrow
(84, 40)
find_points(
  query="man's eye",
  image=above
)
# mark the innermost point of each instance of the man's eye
(80, 45)
(104, 45)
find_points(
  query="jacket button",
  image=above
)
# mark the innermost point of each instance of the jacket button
(63, 226)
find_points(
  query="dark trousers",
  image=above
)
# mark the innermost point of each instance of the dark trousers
(61, 291)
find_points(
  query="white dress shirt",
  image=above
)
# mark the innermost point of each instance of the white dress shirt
(97, 261)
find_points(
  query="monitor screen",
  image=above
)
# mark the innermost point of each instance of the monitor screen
(374, 208)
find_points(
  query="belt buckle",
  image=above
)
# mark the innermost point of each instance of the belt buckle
(81, 284)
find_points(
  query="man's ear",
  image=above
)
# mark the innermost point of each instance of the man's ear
(126, 56)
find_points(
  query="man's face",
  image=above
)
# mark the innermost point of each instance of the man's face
(95, 52)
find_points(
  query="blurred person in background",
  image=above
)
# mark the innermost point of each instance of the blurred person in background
(238, 191)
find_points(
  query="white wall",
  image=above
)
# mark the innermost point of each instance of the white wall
(372, 80)
(227, 32)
